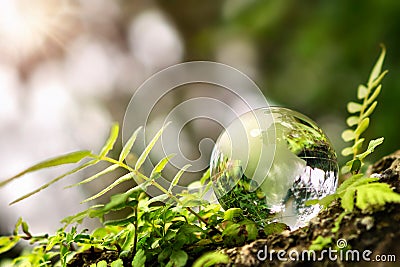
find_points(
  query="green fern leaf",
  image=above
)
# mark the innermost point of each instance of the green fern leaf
(97, 175)
(370, 110)
(110, 141)
(362, 91)
(347, 199)
(90, 163)
(177, 177)
(124, 178)
(375, 194)
(352, 120)
(161, 165)
(149, 147)
(362, 126)
(128, 146)
(374, 95)
(354, 107)
(371, 147)
(78, 218)
(69, 158)
(376, 70)
(348, 135)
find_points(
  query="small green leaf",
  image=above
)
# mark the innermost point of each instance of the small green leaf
(374, 95)
(177, 177)
(379, 79)
(348, 135)
(140, 259)
(78, 218)
(128, 146)
(345, 169)
(17, 225)
(149, 147)
(87, 164)
(110, 141)
(25, 228)
(362, 91)
(362, 126)
(205, 176)
(102, 263)
(354, 107)
(370, 109)
(376, 70)
(211, 259)
(374, 143)
(159, 198)
(178, 258)
(347, 151)
(73, 157)
(252, 231)
(140, 187)
(348, 200)
(121, 222)
(8, 242)
(351, 121)
(371, 147)
(117, 263)
(357, 145)
(161, 165)
(233, 214)
(124, 178)
(97, 175)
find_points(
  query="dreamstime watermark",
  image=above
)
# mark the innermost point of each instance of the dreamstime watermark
(341, 254)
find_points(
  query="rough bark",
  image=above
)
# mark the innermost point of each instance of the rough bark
(377, 230)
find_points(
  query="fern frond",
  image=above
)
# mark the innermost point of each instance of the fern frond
(359, 119)
(375, 194)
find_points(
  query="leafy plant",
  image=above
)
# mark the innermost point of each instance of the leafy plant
(172, 231)
(359, 119)
(358, 190)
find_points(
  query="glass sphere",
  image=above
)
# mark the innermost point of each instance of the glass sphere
(269, 162)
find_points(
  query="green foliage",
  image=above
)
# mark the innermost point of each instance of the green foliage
(73, 157)
(359, 119)
(150, 233)
(210, 259)
(140, 259)
(359, 191)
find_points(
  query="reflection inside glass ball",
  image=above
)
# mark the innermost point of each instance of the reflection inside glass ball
(269, 162)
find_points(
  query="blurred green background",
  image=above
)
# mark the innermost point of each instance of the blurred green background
(69, 68)
(306, 55)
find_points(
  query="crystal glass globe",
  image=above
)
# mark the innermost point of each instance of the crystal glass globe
(269, 162)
